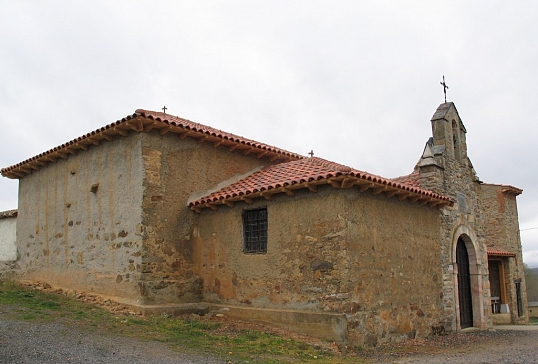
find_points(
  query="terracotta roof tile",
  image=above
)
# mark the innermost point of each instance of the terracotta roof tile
(207, 130)
(144, 121)
(501, 253)
(412, 179)
(309, 172)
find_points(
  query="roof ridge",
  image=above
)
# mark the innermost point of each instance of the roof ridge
(131, 122)
(329, 164)
(209, 130)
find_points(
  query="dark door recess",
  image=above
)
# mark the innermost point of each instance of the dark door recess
(464, 285)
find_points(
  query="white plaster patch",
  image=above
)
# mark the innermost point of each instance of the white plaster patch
(8, 239)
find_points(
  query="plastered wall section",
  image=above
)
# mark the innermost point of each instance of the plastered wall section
(176, 171)
(79, 220)
(376, 260)
(8, 237)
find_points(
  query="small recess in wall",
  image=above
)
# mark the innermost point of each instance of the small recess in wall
(68, 205)
(73, 172)
(94, 188)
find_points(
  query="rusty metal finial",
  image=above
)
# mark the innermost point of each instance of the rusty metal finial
(311, 153)
(445, 87)
(164, 109)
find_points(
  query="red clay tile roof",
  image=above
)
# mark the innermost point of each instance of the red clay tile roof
(145, 121)
(412, 179)
(500, 253)
(309, 173)
(204, 132)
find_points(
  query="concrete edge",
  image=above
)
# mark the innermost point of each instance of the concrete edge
(323, 325)
(326, 326)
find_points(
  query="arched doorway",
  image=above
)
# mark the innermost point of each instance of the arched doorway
(464, 285)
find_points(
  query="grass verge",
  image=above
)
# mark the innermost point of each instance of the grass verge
(188, 334)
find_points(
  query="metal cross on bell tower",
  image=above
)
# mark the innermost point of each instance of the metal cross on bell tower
(445, 87)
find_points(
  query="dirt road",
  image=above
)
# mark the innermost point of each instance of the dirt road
(51, 343)
(27, 342)
(509, 344)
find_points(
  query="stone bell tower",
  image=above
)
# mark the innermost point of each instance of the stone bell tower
(445, 168)
(446, 147)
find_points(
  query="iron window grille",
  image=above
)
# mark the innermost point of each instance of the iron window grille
(255, 231)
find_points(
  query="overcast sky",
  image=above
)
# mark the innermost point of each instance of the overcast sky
(356, 81)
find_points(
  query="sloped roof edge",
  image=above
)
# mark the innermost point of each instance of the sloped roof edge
(500, 253)
(145, 121)
(309, 173)
(511, 190)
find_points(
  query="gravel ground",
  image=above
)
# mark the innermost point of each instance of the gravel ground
(29, 342)
(494, 346)
(23, 342)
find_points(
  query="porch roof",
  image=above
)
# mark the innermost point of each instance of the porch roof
(500, 253)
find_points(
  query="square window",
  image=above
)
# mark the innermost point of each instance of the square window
(255, 231)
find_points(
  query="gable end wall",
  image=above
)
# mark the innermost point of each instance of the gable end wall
(79, 220)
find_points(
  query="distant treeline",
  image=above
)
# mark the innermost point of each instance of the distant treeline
(531, 278)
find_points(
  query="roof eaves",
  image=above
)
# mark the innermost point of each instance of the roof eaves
(145, 121)
(218, 137)
(342, 180)
(500, 253)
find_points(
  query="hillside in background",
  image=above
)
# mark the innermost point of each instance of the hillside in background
(531, 278)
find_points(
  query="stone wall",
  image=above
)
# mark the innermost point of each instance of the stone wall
(500, 218)
(114, 219)
(449, 172)
(482, 216)
(501, 231)
(175, 172)
(373, 259)
(79, 222)
(461, 220)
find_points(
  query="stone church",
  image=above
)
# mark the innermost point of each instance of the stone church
(165, 214)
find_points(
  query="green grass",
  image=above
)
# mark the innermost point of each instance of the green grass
(182, 334)
(533, 320)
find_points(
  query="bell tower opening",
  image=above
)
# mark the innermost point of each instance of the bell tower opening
(456, 140)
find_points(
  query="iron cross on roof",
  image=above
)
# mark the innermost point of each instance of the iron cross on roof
(311, 153)
(164, 109)
(445, 87)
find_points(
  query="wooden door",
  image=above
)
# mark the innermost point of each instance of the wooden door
(464, 285)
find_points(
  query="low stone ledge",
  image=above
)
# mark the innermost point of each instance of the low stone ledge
(501, 319)
(199, 308)
(322, 325)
